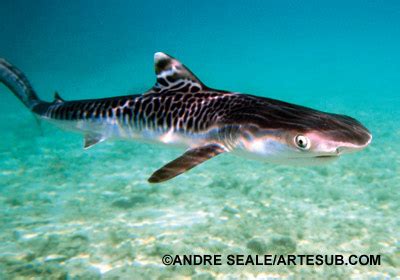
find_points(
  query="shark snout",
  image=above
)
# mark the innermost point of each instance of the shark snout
(345, 135)
(351, 147)
(342, 135)
(352, 135)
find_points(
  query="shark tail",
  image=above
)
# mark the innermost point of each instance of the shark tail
(17, 82)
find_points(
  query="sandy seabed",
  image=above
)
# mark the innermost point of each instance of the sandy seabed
(74, 214)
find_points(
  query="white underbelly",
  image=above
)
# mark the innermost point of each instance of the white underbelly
(112, 130)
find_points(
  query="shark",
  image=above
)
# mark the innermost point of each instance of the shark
(180, 110)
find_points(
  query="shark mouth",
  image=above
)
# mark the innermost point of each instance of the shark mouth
(327, 156)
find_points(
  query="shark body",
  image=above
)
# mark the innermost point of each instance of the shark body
(180, 110)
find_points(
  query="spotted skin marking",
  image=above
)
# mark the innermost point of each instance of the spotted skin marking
(191, 112)
(160, 111)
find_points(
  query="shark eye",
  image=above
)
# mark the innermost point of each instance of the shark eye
(302, 142)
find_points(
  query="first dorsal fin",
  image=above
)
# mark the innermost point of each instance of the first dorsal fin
(57, 97)
(173, 75)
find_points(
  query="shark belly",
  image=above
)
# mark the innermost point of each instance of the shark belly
(112, 128)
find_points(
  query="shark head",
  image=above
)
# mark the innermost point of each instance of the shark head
(285, 133)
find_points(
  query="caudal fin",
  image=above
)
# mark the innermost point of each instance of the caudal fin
(16, 81)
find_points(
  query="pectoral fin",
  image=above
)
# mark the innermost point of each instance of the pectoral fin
(92, 139)
(187, 161)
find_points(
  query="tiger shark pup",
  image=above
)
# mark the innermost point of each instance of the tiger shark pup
(180, 110)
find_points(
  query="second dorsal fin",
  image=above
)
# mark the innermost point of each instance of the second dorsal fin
(173, 75)
(57, 97)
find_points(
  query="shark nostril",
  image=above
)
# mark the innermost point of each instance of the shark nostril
(339, 150)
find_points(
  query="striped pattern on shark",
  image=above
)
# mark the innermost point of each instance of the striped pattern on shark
(180, 110)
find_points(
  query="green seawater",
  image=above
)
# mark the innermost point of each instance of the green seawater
(69, 213)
